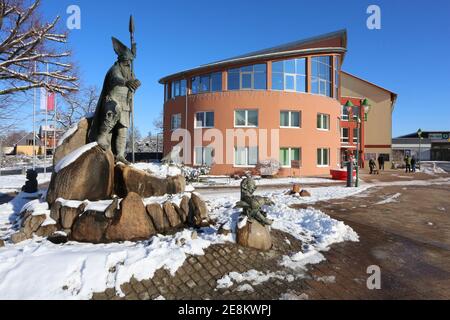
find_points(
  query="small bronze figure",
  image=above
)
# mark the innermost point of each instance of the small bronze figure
(252, 204)
(112, 116)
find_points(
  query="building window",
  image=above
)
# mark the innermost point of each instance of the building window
(289, 75)
(178, 88)
(386, 156)
(323, 157)
(344, 113)
(175, 122)
(207, 83)
(245, 156)
(204, 119)
(345, 135)
(203, 156)
(321, 75)
(287, 155)
(246, 118)
(248, 78)
(290, 119)
(336, 77)
(323, 121)
(166, 91)
(355, 135)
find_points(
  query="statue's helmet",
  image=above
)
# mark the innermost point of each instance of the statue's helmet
(122, 51)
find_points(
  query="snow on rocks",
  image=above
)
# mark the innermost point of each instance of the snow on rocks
(157, 169)
(67, 134)
(74, 155)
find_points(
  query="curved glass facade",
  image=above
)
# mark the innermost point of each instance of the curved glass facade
(313, 74)
(321, 75)
(253, 77)
(289, 75)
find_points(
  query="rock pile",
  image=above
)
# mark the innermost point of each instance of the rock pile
(93, 199)
(298, 191)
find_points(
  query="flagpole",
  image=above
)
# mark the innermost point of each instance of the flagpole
(34, 123)
(54, 126)
(45, 129)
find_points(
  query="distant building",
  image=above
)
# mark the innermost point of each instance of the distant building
(434, 146)
(50, 137)
(25, 145)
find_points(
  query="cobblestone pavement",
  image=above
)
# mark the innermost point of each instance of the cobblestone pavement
(414, 256)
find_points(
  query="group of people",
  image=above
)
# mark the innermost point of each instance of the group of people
(373, 165)
(410, 163)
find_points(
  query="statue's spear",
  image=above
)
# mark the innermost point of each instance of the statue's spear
(131, 29)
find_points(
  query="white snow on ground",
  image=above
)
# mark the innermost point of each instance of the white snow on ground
(245, 287)
(254, 277)
(158, 169)
(390, 199)
(294, 296)
(74, 155)
(13, 183)
(226, 181)
(39, 269)
(326, 279)
(68, 133)
(431, 168)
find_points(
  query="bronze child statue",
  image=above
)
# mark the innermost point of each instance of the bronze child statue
(252, 204)
(112, 116)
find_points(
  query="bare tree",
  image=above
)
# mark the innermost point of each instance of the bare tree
(28, 44)
(77, 105)
(26, 40)
(158, 123)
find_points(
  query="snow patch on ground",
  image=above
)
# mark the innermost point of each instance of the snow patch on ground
(253, 277)
(14, 183)
(431, 168)
(294, 296)
(390, 199)
(326, 279)
(74, 155)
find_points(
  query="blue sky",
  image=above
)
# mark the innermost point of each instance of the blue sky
(408, 55)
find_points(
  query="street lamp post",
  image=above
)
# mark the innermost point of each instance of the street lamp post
(366, 107)
(419, 133)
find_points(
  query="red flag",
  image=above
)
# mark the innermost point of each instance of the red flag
(51, 101)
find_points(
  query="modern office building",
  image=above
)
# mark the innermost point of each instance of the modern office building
(293, 93)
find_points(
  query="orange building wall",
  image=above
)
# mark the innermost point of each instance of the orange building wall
(269, 103)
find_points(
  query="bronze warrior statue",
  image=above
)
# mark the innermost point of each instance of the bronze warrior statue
(112, 116)
(252, 204)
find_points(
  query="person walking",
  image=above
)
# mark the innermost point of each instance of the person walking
(372, 166)
(408, 163)
(381, 162)
(413, 164)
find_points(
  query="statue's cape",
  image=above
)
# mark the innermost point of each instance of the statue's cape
(97, 119)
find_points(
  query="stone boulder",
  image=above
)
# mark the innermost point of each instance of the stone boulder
(159, 219)
(132, 222)
(89, 177)
(198, 212)
(172, 215)
(90, 227)
(129, 179)
(252, 234)
(68, 215)
(74, 141)
(305, 193)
